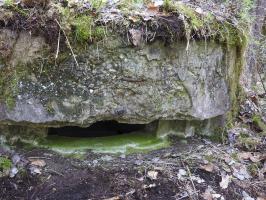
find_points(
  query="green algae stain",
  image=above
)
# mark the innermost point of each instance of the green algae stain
(126, 143)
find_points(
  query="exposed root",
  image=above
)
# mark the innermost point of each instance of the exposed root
(68, 43)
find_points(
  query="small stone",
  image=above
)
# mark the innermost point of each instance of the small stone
(246, 196)
(123, 156)
(15, 159)
(135, 37)
(152, 175)
(199, 10)
(181, 174)
(34, 170)
(13, 172)
(138, 162)
(106, 158)
(149, 186)
(155, 160)
(95, 162)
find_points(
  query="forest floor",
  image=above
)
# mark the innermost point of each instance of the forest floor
(194, 169)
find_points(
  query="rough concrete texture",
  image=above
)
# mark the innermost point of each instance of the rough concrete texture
(115, 81)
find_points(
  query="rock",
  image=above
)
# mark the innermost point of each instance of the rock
(208, 167)
(135, 37)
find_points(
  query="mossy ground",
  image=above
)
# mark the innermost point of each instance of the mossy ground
(125, 143)
(257, 120)
(5, 165)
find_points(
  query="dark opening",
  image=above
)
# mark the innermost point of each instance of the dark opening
(98, 129)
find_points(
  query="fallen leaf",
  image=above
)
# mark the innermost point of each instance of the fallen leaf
(153, 8)
(256, 158)
(226, 168)
(241, 172)
(207, 194)
(39, 163)
(225, 181)
(208, 167)
(133, 19)
(244, 155)
(152, 175)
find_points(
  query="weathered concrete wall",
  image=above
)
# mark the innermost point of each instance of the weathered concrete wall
(114, 81)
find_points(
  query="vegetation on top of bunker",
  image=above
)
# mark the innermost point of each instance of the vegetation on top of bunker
(91, 21)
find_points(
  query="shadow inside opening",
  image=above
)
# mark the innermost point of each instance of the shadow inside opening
(98, 129)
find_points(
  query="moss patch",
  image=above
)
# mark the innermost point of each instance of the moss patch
(126, 143)
(257, 120)
(5, 166)
(9, 80)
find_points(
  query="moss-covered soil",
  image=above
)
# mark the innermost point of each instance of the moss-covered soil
(91, 21)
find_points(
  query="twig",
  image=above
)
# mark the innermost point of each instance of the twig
(263, 86)
(189, 173)
(192, 182)
(53, 171)
(186, 195)
(58, 45)
(216, 147)
(38, 157)
(68, 43)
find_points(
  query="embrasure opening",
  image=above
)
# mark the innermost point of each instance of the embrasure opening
(98, 129)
